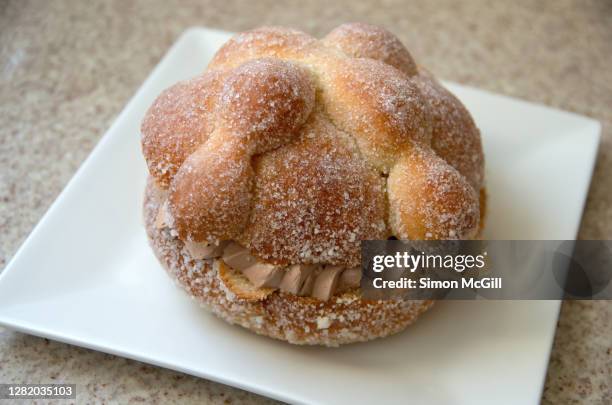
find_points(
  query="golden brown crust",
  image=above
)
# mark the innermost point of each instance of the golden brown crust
(298, 221)
(345, 318)
(429, 199)
(263, 104)
(380, 107)
(178, 122)
(261, 107)
(361, 40)
(455, 137)
(275, 42)
(210, 197)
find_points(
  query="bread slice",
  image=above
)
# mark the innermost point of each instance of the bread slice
(239, 285)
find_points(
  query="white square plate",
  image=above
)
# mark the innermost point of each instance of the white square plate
(86, 275)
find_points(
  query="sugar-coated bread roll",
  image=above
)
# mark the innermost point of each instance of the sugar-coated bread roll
(269, 169)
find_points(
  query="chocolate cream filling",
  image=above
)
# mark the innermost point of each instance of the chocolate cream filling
(318, 281)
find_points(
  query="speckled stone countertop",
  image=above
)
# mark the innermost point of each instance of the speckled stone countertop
(67, 68)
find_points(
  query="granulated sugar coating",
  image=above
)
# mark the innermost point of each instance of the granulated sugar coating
(178, 122)
(261, 107)
(316, 199)
(298, 149)
(366, 41)
(264, 103)
(455, 136)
